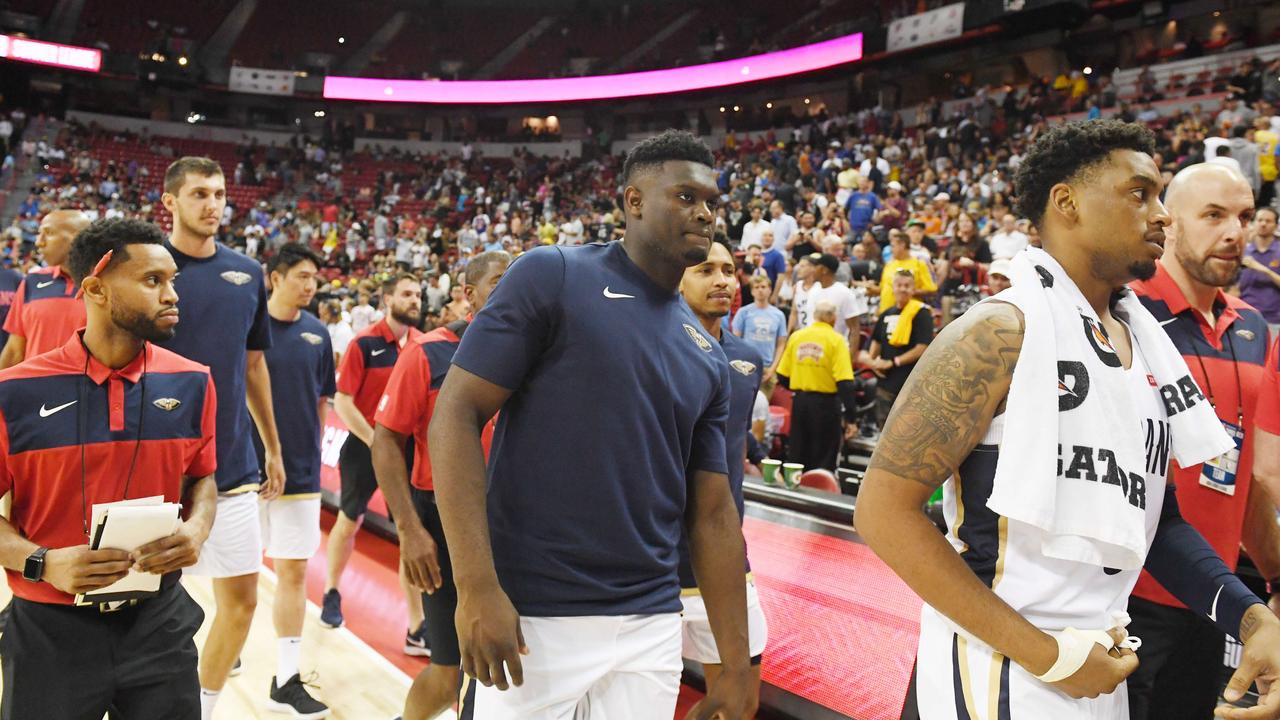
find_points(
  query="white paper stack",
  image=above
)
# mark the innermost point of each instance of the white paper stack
(128, 525)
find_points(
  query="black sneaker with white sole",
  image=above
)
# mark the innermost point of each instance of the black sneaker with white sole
(415, 643)
(293, 699)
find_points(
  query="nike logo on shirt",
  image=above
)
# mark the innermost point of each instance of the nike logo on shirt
(1213, 610)
(1166, 322)
(376, 353)
(614, 295)
(46, 412)
(44, 284)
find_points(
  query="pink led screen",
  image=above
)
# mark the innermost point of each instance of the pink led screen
(654, 82)
(47, 53)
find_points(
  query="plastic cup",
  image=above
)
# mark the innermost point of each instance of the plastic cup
(771, 469)
(791, 474)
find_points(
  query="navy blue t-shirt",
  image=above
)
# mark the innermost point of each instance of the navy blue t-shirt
(745, 371)
(222, 302)
(10, 279)
(300, 361)
(617, 397)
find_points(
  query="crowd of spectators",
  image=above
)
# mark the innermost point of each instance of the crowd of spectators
(877, 219)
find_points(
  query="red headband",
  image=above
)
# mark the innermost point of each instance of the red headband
(97, 270)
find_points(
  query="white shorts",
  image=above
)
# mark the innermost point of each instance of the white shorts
(290, 527)
(588, 668)
(953, 672)
(700, 644)
(234, 547)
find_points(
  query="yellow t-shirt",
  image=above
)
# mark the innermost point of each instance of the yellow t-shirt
(816, 358)
(918, 268)
(847, 179)
(1266, 141)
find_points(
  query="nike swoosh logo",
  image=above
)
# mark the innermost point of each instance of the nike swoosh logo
(44, 284)
(1166, 322)
(46, 412)
(376, 353)
(1213, 610)
(615, 296)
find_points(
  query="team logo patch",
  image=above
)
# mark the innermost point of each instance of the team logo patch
(1073, 385)
(167, 404)
(1245, 334)
(743, 366)
(1046, 277)
(235, 277)
(1101, 344)
(312, 338)
(697, 337)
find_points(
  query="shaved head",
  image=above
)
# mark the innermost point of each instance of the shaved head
(1211, 207)
(57, 230)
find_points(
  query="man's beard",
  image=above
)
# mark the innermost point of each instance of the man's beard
(405, 317)
(140, 325)
(195, 229)
(1143, 269)
(1199, 270)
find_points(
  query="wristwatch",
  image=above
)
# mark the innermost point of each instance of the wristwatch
(34, 569)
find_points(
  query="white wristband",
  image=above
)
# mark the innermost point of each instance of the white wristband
(1073, 650)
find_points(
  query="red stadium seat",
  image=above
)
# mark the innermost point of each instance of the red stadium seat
(820, 479)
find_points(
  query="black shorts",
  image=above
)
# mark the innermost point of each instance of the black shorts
(355, 468)
(440, 606)
(70, 663)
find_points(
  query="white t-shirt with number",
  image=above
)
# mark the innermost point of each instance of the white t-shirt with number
(849, 304)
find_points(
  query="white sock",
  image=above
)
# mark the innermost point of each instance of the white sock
(208, 698)
(289, 652)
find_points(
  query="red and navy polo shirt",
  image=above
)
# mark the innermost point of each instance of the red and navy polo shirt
(1269, 403)
(367, 364)
(410, 396)
(10, 281)
(65, 417)
(1238, 342)
(45, 310)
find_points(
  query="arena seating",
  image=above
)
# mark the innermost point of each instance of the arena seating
(124, 25)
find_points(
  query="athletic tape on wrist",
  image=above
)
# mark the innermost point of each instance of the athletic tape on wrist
(1074, 647)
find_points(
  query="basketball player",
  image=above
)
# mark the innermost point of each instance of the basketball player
(1224, 343)
(404, 412)
(708, 288)
(223, 300)
(300, 361)
(362, 377)
(610, 440)
(107, 416)
(45, 310)
(1093, 190)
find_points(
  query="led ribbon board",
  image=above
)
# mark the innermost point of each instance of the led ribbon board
(794, 61)
(47, 53)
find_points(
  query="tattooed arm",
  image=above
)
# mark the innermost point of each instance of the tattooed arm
(946, 406)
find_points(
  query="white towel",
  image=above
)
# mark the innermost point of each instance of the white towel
(1100, 522)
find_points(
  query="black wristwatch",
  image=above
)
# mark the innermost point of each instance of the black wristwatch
(34, 569)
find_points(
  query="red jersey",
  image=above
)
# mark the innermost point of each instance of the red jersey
(1231, 364)
(61, 425)
(367, 363)
(45, 311)
(410, 396)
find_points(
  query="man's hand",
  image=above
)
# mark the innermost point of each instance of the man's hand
(489, 635)
(729, 699)
(1260, 663)
(274, 485)
(1102, 672)
(1252, 263)
(420, 556)
(78, 569)
(179, 550)
(766, 375)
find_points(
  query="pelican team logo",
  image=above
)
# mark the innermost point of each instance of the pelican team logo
(167, 404)
(743, 366)
(1101, 344)
(235, 277)
(697, 337)
(1073, 385)
(312, 338)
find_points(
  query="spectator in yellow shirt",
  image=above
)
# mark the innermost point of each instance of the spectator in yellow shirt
(900, 258)
(817, 368)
